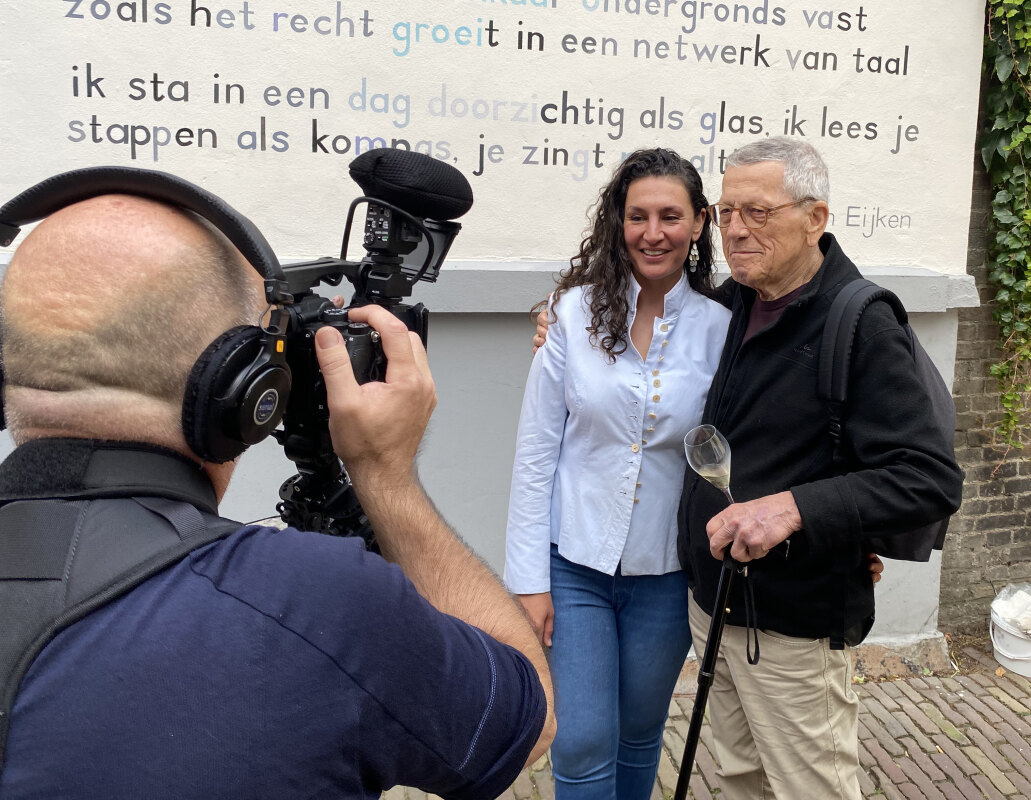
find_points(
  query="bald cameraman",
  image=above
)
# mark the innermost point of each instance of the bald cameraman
(267, 664)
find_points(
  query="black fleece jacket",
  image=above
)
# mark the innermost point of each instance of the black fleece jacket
(901, 471)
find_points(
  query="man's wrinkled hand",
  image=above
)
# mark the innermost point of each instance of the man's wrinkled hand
(753, 529)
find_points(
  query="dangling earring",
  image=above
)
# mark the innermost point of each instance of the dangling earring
(692, 258)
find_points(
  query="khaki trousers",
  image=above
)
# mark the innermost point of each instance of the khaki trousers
(785, 728)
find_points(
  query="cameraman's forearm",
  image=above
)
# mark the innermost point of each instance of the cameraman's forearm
(412, 534)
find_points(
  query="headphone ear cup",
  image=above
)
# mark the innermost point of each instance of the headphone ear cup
(236, 394)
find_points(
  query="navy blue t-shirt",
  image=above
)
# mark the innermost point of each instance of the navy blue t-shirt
(272, 664)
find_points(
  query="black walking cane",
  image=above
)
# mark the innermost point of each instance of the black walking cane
(708, 454)
(706, 671)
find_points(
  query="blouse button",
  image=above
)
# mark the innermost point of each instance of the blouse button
(655, 397)
(656, 383)
(635, 447)
(664, 327)
(655, 372)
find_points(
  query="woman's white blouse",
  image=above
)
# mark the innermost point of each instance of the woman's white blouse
(599, 464)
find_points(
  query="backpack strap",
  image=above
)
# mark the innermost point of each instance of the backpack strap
(832, 386)
(61, 559)
(836, 347)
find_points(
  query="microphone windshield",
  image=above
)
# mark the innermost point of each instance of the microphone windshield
(423, 186)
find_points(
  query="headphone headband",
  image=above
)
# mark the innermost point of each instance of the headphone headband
(62, 190)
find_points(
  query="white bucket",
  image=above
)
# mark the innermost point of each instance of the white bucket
(1012, 646)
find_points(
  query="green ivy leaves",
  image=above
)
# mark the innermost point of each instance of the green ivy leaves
(1006, 151)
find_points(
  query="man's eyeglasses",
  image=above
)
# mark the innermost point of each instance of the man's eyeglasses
(754, 216)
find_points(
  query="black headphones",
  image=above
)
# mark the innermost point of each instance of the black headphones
(237, 390)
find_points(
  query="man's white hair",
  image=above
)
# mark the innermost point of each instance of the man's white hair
(805, 173)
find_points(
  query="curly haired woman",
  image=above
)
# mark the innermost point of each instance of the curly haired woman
(591, 543)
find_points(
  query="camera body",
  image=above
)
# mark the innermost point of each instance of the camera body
(401, 249)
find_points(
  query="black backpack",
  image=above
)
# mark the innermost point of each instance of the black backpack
(835, 356)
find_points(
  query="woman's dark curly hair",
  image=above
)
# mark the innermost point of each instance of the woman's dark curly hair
(603, 262)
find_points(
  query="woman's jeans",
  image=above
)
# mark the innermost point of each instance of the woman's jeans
(617, 649)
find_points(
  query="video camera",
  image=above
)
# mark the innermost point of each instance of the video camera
(234, 395)
(410, 200)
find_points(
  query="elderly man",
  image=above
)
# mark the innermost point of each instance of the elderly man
(267, 664)
(787, 726)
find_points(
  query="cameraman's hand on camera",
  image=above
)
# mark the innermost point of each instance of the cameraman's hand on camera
(377, 426)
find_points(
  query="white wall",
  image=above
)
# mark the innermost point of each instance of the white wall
(239, 102)
(79, 83)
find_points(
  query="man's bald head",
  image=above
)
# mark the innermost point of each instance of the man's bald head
(106, 306)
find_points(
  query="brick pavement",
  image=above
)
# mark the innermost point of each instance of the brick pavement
(962, 736)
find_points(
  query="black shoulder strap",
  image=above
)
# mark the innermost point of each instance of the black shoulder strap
(832, 384)
(61, 559)
(836, 347)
